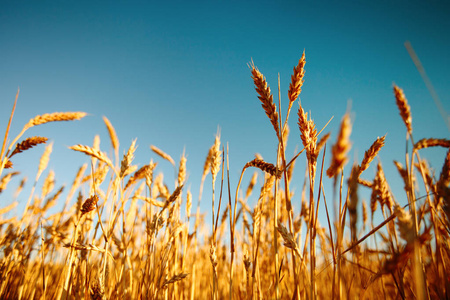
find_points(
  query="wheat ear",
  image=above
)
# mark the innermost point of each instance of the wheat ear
(112, 134)
(295, 87)
(431, 142)
(27, 144)
(370, 154)
(403, 106)
(264, 166)
(93, 153)
(340, 149)
(266, 97)
(163, 155)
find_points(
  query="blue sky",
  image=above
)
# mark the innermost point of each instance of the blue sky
(170, 72)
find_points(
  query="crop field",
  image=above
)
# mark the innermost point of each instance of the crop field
(124, 234)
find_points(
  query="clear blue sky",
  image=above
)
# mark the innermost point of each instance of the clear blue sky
(170, 72)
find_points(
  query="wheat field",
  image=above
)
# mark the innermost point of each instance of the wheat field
(123, 234)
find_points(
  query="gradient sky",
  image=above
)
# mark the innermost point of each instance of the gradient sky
(170, 72)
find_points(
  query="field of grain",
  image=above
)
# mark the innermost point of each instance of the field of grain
(122, 234)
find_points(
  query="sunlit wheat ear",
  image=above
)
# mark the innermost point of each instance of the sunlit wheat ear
(174, 279)
(182, 170)
(8, 163)
(251, 185)
(403, 106)
(173, 197)
(43, 162)
(403, 173)
(216, 157)
(430, 142)
(264, 166)
(141, 173)
(341, 148)
(322, 142)
(53, 117)
(93, 153)
(370, 154)
(295, 87)
(207, 164)
(213, 258)
(127, 159)
(265, 96)
(27, 144)
(49, 184)
(404, 223)
(112, 134)
(308, 134)
(163, 154)
(89, 205)
(188, 203)
(288, 238)
(247, 262)
(380, 190)
(365, 182)
(6, 179)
